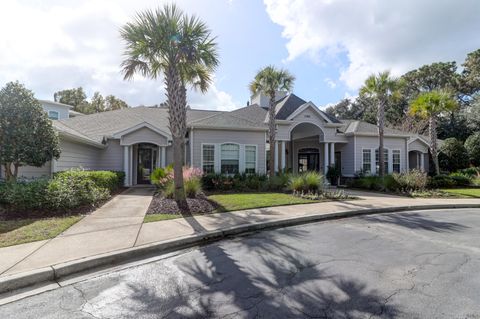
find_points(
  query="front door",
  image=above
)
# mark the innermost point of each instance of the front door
(308, 160)
(145, 164)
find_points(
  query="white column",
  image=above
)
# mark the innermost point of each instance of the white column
(325, 158)
(276, 158)
(126, 155)
(164, 154)
(422, 162)
(191, 147)
(332, 154)
(131, 171)
(283, 156)
(159, 157)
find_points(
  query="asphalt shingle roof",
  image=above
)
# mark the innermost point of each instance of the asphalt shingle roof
(96, 126)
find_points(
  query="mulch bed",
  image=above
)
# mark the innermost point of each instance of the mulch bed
(196, 206)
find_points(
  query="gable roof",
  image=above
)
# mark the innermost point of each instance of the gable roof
(97, 126)
(290, 103)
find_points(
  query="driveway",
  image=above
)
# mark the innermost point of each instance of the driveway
(421, 264)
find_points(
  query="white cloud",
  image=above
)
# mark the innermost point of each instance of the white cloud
(63, 44)
(331, 84)
(375, 35)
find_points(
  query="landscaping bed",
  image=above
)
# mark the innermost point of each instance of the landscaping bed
(43, 208)
(196, 206)
(231, 193)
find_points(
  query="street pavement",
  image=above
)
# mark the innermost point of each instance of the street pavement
(422, 264)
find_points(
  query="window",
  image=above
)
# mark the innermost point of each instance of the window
(385, 160)
(396, 161)
(208, 158)
(53, 115)
(367, 161)
(250, 159)
(230, 155)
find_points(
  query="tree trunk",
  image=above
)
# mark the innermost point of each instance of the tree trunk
(177, 110)
(271, 133)
(432, 131)
(9, 175)
(381, 124)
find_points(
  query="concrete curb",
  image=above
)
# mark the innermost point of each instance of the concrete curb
(55, 272)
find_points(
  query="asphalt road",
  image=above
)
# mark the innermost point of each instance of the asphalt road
(403, 265)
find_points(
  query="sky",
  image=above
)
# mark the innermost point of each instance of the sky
(330, 46)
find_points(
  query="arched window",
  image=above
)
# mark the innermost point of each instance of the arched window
(53, 115)
(229, 158)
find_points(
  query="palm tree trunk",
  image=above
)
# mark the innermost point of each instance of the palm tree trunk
(271, 133)
(381, 124)
(176, 95)
(432, 130)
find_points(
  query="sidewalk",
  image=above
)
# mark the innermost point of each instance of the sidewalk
(118, 225)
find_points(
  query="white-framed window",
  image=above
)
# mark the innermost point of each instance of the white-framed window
(367, 161)
(396, 161)
(208, 158)
(385, 160)
(250, 159)
(229, 158)
(53, 115)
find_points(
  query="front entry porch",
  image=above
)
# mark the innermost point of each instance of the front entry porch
(307, 150)
(140, 160)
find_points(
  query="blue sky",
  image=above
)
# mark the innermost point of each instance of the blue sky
(331, 46)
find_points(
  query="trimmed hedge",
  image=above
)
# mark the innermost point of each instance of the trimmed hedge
(244, 182)
(449, 181)
(66, 190)
(111, 180)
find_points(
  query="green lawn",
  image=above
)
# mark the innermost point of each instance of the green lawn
(157, 217)
(14, 232)
(463, 192)
(231, 202)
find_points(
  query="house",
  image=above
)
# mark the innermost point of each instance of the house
(136, 140)
(58, 111)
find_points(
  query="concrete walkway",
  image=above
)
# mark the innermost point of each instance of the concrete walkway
(118, 225)
(113, 226)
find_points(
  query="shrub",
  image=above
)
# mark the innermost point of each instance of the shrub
(376, 183)
(169, 190)
(471, 171)
(441, 181)
(333, 174)
(309, 182)
(21, 196)
(453, 155)
(193, 187)
(66, 191)
(414, 180)
(192, 182)
(160, 177)
(278, 182)
(110, 180)
(461, 179)
(472, 145)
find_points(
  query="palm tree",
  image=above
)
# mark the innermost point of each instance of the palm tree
(380, 87)
(429, 105)
(168, 42)
(268, 81)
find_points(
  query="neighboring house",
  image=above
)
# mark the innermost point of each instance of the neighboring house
(136, 140)
(58, 111)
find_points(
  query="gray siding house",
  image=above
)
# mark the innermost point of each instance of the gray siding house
(137, 140)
